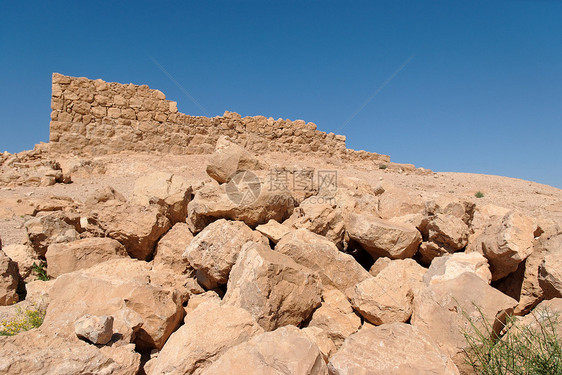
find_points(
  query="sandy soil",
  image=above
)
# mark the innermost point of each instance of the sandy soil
(121, 171)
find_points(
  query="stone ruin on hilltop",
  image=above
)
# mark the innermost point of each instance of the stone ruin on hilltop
(94, 117)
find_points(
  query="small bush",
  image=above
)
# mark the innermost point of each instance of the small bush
(27, 319)
(383, 166)
(40, 271)
(479, 194)
(523, 350)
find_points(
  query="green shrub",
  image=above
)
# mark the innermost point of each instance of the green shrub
(40, 271)
(31, 317)
(383, 166)
(523, 350)
(479, 194)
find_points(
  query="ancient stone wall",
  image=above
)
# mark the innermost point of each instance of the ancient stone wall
(93, 117)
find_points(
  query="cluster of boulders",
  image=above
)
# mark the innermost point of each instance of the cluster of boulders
(30, 168)
(182, 279)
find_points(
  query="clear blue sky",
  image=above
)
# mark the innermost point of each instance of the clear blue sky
(482, 93)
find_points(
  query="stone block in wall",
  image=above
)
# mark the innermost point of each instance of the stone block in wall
(102, 100)
(114, 112)
(99, 112)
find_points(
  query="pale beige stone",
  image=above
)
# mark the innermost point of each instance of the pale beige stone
(209, 331)
(387, 297)
(450, 266)
(506, 242)
(170, 248)
(129, 296)
(396, 348)
(442, 311)
(85, 253)
(273, 230)
(286, 350)
(95, 329)
(9, 279)
(38, 353)
(320, 254)
(213, 251)
(335, 317)
(168, 190)
(383, 238)
(272, 287)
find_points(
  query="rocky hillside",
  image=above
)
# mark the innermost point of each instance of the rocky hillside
(230, 263)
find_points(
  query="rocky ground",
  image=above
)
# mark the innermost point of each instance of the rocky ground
(164, 264)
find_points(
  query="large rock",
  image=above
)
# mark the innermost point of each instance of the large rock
(450, 266)
(214, 250)
(95, 329)
(248, 201)
(145, 313)
(170, 248)
(24, 257)
(320, 254)
(170, 191)
(320, 218)
(550, 270)
(391, 349)
(387, 297)
(286, 350)
(447, 231)
(335, 317)
(383, 238)
(80, 254)
(273, 230)
(49, 229)
(229, 158)
(506, 242)
(396, 202)
(138, 228)
(34, 352)
(272, 287)
(442, 311)
(9, 279)
(209, 331)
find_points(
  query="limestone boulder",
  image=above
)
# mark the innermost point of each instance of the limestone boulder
(35, 352)
(506, 242)
(396, 202)
(382, 299)
(172, 192)
(145, 313)
(272, 287)
(244, 199)
(9, 279)
(229, 158)
(273, 230)
(316, 252)
(80, 254)
(209, 331)
(447, 231)
(170, 248)
(136, 227)
(335, 317)
(24, 257)
(321, 339)
(448, 205)
(45, 230)
(550, 272)
(383, 238)
(443, 310)
(450, 266)
(95, 329)
(213, 251)
(396, 348)
(287, 350)
(320, 218)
